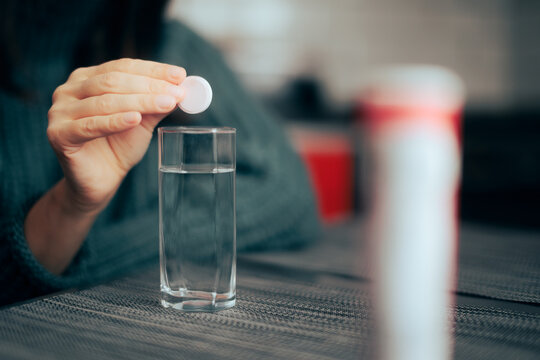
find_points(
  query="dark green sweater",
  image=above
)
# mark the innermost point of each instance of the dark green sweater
(275, 206)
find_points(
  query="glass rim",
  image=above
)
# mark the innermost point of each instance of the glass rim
(197, 129)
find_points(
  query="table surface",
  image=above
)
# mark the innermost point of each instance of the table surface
(309, 303)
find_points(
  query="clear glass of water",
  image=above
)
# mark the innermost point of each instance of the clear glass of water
(197, 219)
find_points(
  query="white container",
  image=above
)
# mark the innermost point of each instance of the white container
(413, 125)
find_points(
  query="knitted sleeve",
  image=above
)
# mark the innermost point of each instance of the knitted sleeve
(275, 204)
(21, 275)
(109, 251)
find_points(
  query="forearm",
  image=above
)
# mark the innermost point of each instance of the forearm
(55, 228)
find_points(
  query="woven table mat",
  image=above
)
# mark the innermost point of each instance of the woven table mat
(280, 314)
(500, 263)
(273, 318)
(496, 263)
(492, 333)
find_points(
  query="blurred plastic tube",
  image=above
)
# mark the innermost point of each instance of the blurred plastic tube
(412, 123)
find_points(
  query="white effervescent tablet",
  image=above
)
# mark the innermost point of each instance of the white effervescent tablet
(198, 95)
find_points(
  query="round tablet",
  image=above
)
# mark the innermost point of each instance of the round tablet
(198, 95)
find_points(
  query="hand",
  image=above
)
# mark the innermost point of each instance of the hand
(101, 123)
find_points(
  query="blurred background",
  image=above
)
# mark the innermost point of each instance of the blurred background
(306, 60)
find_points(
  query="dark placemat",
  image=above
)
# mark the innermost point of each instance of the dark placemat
(302, 318)
(500, 263)
(497, 263)
(280, 314)
(493, 333)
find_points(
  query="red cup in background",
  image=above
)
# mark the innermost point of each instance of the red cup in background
(329, 159)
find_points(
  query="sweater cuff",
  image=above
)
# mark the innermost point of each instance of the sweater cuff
(29, 268)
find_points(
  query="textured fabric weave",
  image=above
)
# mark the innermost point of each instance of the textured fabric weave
(281, 313)
(308, 304)
(493, 262)
(500, 263)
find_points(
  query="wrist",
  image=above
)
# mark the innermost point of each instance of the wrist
(65, 199)
(56, 226)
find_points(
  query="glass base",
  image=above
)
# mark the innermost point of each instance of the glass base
(187, 300)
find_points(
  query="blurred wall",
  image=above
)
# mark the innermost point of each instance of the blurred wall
(490, 43)
(525, 49)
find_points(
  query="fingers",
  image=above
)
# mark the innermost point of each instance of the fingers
(108, 104)
(166, 72)
(112, 97)
(86, 129)
(122, 83)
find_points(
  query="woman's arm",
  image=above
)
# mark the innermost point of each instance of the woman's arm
(55, 228)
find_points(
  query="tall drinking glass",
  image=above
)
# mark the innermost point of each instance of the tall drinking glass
(197, 219)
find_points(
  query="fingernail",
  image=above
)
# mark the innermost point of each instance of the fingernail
(165, 102)
(175, 91)
(131, 118)
(175, 72)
